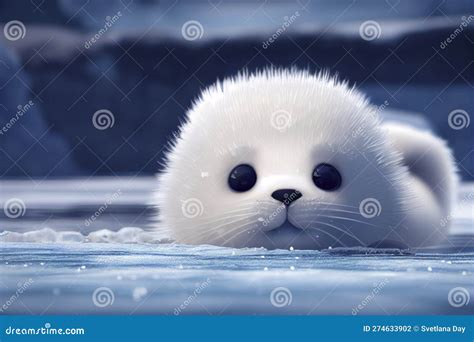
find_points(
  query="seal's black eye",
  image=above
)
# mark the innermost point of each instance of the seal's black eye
(326, 177)
(242, 178)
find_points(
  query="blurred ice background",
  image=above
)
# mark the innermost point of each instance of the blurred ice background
(146, 72)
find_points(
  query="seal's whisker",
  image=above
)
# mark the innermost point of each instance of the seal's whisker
(339, 230)
(330, 210)
(331, 204)
(346, 219)
(218, 219)
(227, 212)
(237, 234)
(329, 234)
(214, 237)
(210, 227)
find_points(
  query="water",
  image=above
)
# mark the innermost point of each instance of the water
(56, 259)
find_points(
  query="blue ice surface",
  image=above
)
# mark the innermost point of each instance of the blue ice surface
(130, 273)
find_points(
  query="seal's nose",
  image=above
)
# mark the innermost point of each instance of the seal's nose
(286, 196)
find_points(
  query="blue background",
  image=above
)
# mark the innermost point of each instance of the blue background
(240, 328)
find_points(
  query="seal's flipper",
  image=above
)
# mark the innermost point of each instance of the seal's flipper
(427, 158)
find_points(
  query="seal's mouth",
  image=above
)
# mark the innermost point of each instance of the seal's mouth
(288, 235)
(285, 228)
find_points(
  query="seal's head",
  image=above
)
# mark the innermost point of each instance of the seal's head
(281, 159)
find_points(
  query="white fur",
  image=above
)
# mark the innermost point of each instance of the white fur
(242, 120)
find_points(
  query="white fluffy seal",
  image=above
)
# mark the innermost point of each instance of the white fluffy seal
(284, 159)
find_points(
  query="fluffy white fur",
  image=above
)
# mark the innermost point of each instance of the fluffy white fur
(284, 123)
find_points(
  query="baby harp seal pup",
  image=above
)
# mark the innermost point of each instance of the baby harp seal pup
(286, 158)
